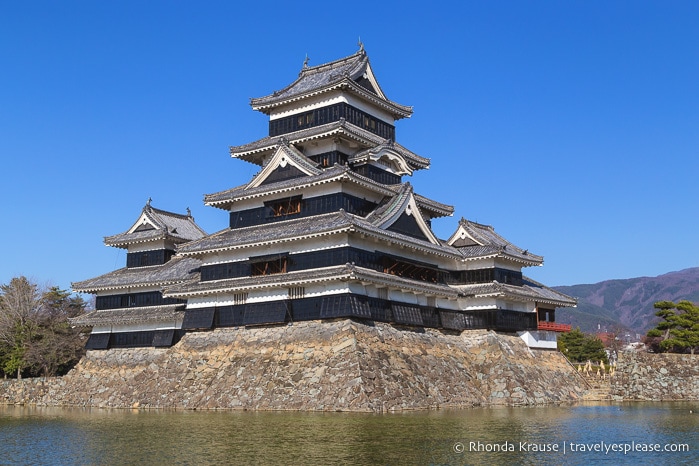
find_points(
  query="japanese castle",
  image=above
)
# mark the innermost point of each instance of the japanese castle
(327, 229)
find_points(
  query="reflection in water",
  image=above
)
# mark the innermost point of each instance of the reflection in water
(75, 436)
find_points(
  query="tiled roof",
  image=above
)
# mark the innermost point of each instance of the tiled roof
(223, 199)
(270, 233)
(169, 313)
(548, 294)
(243, 192)
(175, 270)
(347, 272)
(290, 230)
(390, 205)
(166, 225)
(251, 152)
(341, 73)
(529, 291)
(491, 243)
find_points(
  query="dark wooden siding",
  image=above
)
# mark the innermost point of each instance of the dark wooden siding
(407, 225)
(377, 174)
(309, 207)
(150, 298)
(198, 318)
(146, 258)
(349, 305)
(329, 114)
(328, 159)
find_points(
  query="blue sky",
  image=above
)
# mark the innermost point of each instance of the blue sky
(571, 127)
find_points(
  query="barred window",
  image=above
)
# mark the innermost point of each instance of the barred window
(240, 298)
(297, 292)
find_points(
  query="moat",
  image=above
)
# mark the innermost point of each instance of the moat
(32, 435)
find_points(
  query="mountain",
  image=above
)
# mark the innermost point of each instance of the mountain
(626, 303)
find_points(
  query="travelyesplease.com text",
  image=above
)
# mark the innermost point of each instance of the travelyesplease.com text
(568, 447)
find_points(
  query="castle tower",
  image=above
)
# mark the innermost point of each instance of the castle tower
(329, 228)
(130, 309)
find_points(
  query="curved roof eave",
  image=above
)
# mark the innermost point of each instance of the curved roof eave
(396, 110)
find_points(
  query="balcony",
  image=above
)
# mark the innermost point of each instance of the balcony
(553, 326)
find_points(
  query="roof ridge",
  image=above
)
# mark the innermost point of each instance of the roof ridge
(171, 214)
(331, 64)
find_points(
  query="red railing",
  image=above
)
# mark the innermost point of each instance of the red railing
(554, 327)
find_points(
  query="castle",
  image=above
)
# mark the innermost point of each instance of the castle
(327, 229)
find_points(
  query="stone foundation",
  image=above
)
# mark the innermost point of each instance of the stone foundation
(656, 377)
(333, 366)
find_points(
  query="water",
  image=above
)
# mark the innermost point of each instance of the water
(31, 435)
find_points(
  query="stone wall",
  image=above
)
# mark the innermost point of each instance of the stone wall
(341, 365)
(656, 377)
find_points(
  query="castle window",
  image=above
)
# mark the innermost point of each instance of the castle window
(240, 298)
(286, 207)
(411, 270)
(269, 267)
(297, 292)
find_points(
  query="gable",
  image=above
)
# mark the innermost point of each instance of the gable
(402, 215)
(462, 238)
(368, 81)
(283, 173)
(291, 164)
(366, 84)
(143, 224)
(407, 225)
(463, 242)
(144, 227)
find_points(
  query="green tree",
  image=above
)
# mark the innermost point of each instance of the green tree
(580, 347)
(20, 303)
(35, 337)
(56, 346)
(678, 331)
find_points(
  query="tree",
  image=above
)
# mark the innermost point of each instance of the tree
(678, 331)
(19, 305)
(56, 346)
(579, 347)
(35, 336)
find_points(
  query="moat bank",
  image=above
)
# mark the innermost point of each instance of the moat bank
(656, 377)
(331, 366)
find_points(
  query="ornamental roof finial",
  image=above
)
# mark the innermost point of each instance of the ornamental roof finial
(305, 62)
(150, 199)
(189, 212)
(360, 44)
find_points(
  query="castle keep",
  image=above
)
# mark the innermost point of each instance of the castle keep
(328, 228)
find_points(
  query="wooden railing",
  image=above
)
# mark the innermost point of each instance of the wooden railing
(553, 326)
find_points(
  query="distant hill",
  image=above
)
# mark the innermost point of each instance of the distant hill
(627, 303)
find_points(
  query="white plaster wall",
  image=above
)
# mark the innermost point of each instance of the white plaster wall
(150, 246)
(165, 325)
(539, 339)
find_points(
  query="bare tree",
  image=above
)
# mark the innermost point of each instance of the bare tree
(20, 303)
